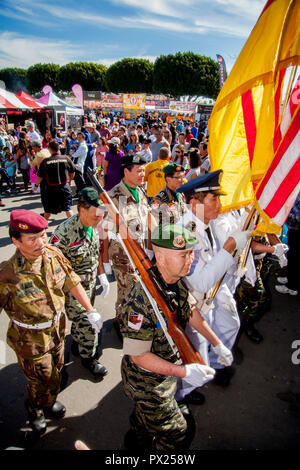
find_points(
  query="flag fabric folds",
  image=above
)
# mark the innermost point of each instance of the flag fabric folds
(248, 136)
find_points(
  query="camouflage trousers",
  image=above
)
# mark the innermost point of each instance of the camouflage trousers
(43, 376)
(124, 273)
(81, 329)
(254, 301)
(156, 413)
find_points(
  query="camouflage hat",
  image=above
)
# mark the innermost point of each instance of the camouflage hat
(172, 168)
(91, 196)
(173, 237)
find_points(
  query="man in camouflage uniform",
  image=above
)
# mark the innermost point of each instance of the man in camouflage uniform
(78, 239)
(132, 203)
(150, 367)
(168, 206)
(33, 284)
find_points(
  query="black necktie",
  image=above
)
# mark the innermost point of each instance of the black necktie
(210, 237)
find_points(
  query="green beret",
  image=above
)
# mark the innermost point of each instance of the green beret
(91, 196)
(174, 237)
(133, 159)
(172, 168)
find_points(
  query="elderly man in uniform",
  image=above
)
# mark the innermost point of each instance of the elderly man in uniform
(33, 285)
(133, 206)
(169, 205)
(78, 239)
(150, 366)
(212, 261)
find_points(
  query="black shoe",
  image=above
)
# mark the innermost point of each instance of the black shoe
(74, 348)
(117, 328)
(94, 366)
(36, 419)
(57, 410)
(253, 334)
(223, 376)
(136, 442)
(194, 398)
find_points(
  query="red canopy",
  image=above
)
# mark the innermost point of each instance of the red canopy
(29, 101)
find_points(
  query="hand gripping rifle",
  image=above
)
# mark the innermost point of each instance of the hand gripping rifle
(152, 282)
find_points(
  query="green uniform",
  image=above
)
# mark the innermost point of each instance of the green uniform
(168, 206)
(156, 413)
(83, 254)
(135, 215)
(33, 294)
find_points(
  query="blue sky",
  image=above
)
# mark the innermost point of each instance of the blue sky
(104, 31)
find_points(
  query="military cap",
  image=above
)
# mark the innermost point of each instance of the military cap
(172, 168)
(173, 237)
(91, 196)
(210, 182)
(26, 221)
(133, 159)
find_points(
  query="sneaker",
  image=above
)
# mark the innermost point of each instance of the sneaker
(286, 290)
(282, 280)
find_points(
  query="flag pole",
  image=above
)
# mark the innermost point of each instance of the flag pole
(288, 92)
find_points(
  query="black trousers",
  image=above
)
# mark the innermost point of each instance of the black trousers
(293, 257)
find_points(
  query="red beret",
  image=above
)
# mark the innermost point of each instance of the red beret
(27, 221)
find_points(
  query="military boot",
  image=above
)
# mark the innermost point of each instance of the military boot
(36, 418)
(57, 410)
(94, 366)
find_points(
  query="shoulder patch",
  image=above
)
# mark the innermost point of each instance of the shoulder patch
(54, 240)
(135, 321)
(155, 204)
(191, 226)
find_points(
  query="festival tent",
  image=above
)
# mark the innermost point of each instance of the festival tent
(52, 101)
(10, 102)
(29, 101)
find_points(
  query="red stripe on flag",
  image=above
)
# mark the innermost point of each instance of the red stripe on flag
(269, 2)
(288, 138)
(249, 121)
(283, 192)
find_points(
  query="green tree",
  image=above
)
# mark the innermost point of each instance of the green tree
(42, 74)
(89, 75)
(15, 79)
(130, 76)
(186, 74)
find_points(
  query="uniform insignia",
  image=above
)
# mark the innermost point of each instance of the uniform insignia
(179, 241)
(135, 321)
(178, 168)
(191, 226)
(75, 244)
(27, 285)
(135, 159)
(54, 240)
(171, 207)
(79, 259)
(23, 226)
(155, 205)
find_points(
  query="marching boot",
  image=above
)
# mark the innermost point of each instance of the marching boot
(193, 398)
(36, 418)
(74, 348)
(223, 376)
(252, 333)
(94, 366)
(57, 410)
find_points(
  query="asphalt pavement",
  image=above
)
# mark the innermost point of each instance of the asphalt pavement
(259, 410)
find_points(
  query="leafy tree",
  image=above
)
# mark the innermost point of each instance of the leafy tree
(186, 74)
(89, 75)
(42, 74)
(15, 79)
(130, 76)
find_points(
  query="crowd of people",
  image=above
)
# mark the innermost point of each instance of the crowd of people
(159, 178)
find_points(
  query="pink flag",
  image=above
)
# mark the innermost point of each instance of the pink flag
(47, 89)
(78, 93)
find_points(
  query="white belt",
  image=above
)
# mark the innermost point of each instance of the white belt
(39, 326)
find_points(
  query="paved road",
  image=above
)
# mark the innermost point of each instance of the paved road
(260, 409)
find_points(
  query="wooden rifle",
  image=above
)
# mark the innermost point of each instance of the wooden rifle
(154, 285)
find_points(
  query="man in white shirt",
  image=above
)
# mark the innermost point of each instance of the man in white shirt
(78, 158)
(31, 133)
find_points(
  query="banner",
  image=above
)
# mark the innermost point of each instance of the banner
(78, 93)
(47, 89)
(222, 70)
(134, 101)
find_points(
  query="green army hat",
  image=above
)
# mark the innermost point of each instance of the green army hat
(91, 196)
(172, 168)
(173, 237)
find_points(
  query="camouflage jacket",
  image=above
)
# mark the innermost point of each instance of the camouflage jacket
(140, 323)
(32, 293)
(83, 253)
(165, 207)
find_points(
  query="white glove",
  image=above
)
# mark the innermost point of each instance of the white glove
(282, 260)
(107, 268)
(198, 374)
(241, 238)
(240, 272)
(104, 283)
(149, 253)
(280, 249)
(95, 320)
(224, 354)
